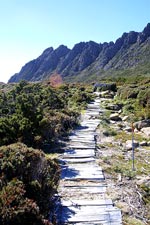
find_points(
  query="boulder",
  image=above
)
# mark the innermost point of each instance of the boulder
(125, 118)
(143, 143)
(141, 124)
(107, 94)
(115, 117)
(128, 129)
(146, 130)
(128, 144)
(113, 107)
(103, 93)
(125, 208)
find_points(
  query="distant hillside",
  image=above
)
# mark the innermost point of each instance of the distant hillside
(88, 61)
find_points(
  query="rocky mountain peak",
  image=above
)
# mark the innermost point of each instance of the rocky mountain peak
(146, 30)
(48, 51)
(62, 50)
(89, 57)
(144, 34)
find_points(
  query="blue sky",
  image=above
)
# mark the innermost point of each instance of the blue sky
(28, 27)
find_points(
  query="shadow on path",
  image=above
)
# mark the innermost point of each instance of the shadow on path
(68, 172)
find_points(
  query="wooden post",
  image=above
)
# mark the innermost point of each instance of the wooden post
(133, 166)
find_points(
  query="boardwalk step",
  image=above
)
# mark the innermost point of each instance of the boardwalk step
(103, 202)
(78, 211)
(79, 160)
(77, 156)
(81, 147)
(76, 214)
(79, 171)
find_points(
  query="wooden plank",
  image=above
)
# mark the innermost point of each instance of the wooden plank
(75, 142)
(78, 142)
(81, 147)
(102, 203)
(83, 133)
(84, 214)
(79, 171)
(96, 223)
(81, 141)
(79, 160)
(83, 138)
(80, 177)
(78, 152)
(79, 155)
(87, 167)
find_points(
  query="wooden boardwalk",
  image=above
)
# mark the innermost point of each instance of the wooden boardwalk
(82, 186)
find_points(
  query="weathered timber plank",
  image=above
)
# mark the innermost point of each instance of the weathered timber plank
(81, 147)
(77, 156)
(96, 223)
(102, 203)
(78, 152)
(90, 213)
(79, 160)
(83, 138)
(86, 171)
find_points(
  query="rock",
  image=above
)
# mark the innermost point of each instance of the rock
(113, 107)
(120, 144)
(125, 208)
(119, 177)
(128, 144)
(142, 179)
(105, 86)
(128, 129)
(143, 143)
(146, 130)
(141, 124)
(133, 94)
(115, 117)
(136, 131)
(107, 94)
(125, 118)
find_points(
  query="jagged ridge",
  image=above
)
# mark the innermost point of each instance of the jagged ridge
(86, 58)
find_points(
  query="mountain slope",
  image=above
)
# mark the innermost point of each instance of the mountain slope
(88, 60)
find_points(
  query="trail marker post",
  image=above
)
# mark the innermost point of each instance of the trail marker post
(133, 166)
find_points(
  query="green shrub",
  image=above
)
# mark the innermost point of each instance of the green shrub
(28, 182)
(136, 99)
(29, 110)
